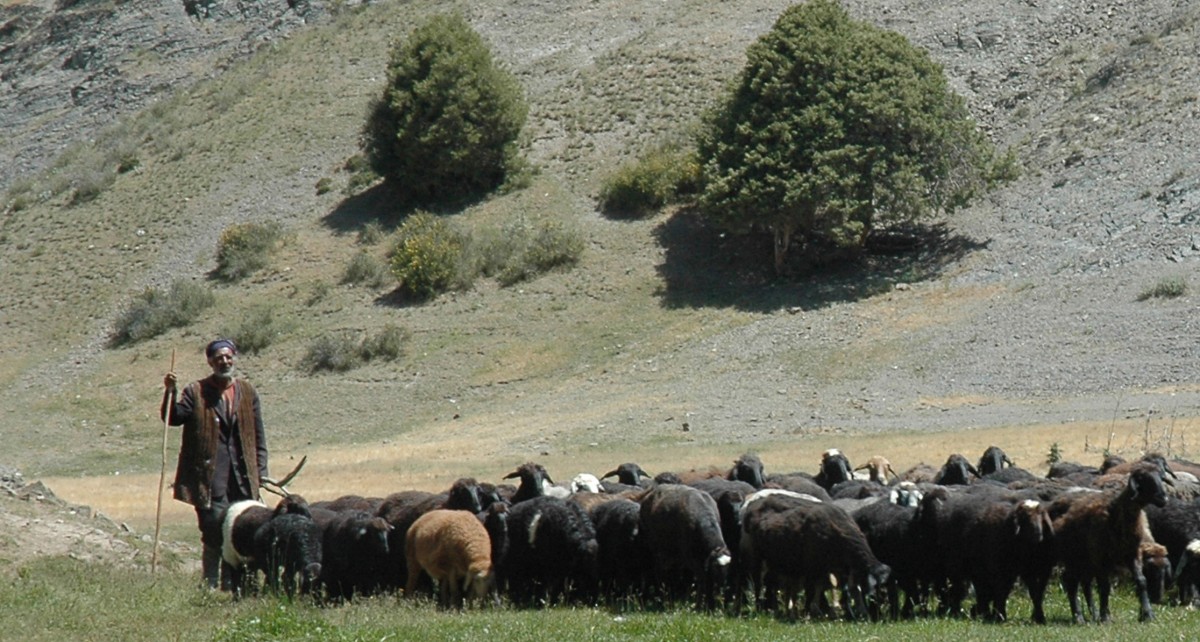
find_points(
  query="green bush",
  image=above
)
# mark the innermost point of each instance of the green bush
(387, 344)
(644, 186)
(428, 258)
(366, 269)
(245, 248)
(257, 329)
(447, 124)
(1168, 288)
(334, 353)
(154, 311)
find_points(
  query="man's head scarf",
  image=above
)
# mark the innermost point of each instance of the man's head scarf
(212, 348)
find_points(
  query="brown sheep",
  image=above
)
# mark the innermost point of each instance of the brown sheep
(453, 548)
(1099, 533)
(878, 468)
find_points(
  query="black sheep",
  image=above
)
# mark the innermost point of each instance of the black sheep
(354, 552)
(289, 546)
(550, 551)
(681, 527)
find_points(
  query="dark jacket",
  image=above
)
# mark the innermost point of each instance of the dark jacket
(200, 411)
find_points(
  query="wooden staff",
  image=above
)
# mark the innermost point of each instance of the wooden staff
(162, 475)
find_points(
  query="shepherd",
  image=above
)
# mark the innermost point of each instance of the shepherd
(223, 453)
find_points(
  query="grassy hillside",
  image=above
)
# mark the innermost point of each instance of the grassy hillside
(658, 345)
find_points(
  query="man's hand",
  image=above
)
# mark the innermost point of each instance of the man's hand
(169, 382)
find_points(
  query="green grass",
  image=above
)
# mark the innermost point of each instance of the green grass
(55, 599)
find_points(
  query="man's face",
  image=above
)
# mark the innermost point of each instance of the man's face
(222, 363)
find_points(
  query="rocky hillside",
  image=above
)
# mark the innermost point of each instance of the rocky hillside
(1035, 319)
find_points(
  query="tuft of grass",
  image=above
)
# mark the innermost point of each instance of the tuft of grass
(1168, 288)
(332, 353)
(258, 329)
(340, 352)
(245, 248)
(387, 344)
(520, 250)
(366, 269)
(154, 311)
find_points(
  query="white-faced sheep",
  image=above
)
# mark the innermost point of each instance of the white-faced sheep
(835, 468)
(681, 527)
(454, 550)
(1099, 533)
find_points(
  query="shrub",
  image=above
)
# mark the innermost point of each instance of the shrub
(387, 344)
(335, 353)
(1168, 288)
(428, 258)
(366, 269)
(640, 188)
(154, 311)
(550, 245)
(448, 121)
(258, 329)
(324, 185)
(245, 248)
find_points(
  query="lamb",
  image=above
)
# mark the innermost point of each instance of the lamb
(550, 549)
(242, 521)
(453, 548)
(289, 546)
(622, 560)
(585, 482)
(812, 542)
(1008, 539)
(681, 527)
(354, 550)
(1176, 525)
(1098, 533)
(403, 508)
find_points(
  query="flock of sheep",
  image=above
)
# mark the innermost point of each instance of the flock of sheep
(864, 542)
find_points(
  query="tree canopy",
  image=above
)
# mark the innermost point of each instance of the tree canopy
(448, 121)
(833, 129)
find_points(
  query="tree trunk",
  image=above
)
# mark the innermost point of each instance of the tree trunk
(783, 241)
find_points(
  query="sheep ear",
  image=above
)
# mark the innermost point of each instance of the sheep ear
(611, 474)
(1133, 484)
(513, 475)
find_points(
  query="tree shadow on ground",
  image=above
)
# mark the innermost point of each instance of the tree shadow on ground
(388, 206)
(704, 267)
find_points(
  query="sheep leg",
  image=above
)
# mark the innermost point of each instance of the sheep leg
(1105, 587)
(1139, 579)
(1071, 585)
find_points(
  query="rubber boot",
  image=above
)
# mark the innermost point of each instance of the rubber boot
(211, 563)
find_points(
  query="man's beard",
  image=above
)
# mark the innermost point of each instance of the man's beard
(224, 375)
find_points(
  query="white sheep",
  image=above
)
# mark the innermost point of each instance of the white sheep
(454, 549)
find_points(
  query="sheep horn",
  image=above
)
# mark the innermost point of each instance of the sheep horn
(280, 487)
